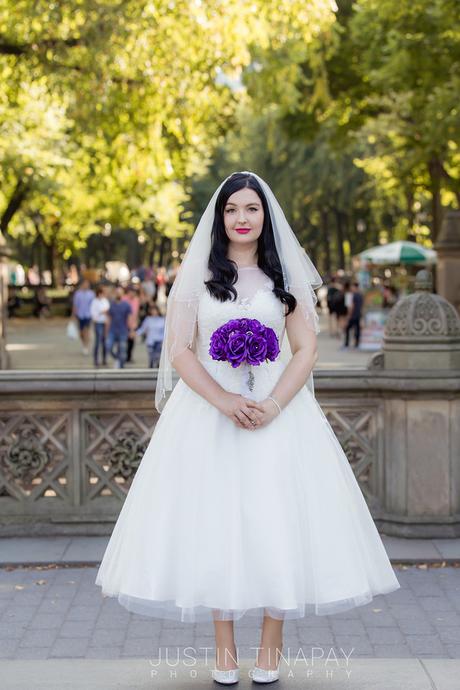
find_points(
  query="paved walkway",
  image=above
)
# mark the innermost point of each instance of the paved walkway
(361, 674)
(55, 611)
(43, 344)
(80, 551)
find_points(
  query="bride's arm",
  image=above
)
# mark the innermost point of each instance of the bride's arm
(302, 340)
(181, 332)
(180, 338)
(197, 378)
(200, 380)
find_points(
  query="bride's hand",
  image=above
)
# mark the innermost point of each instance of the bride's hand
(245, 413)
(268, 411)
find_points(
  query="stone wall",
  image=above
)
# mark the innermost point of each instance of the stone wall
(71, 441)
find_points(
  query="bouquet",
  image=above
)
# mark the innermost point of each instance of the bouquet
(244, 341)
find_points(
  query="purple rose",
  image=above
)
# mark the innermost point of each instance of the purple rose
(273, 348)
(232, 325)
(257, 349)
(243, 325)
(218, 346)
(256, 327)
(236, 349)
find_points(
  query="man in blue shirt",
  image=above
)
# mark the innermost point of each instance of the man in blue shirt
(120, 314)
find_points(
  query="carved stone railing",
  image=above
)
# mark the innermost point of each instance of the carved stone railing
(71, 442)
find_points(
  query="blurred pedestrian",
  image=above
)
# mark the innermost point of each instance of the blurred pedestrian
(131, 296)
(99, 310)
(14, 301)
(153, 327)
(33, 275)
(81, 310)
(148, 287)
(354, 302)
(144, 304)
(172, 273)
(340, 308)
(119, 314)
(389, 297)
(140, 272)
(334, 295)
(41, 303)
(161, 283)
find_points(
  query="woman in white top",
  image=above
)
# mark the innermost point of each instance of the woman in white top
(153, 327)
(99, 308)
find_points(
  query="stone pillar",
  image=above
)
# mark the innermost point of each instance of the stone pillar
(421, 495)
(448, 264)
(4, 254)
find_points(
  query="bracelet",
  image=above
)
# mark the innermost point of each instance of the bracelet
(277, 404)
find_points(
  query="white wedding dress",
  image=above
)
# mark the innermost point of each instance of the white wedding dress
(221, 522)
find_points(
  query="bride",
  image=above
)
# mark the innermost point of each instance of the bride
(244, 502)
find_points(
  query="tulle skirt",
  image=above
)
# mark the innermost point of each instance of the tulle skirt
(221, 522)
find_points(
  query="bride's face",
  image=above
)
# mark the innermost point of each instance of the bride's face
(243, 216)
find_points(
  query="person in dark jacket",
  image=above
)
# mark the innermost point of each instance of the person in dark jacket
(333, 294)
(354, 303)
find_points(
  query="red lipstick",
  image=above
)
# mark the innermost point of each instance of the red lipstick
(242, 231)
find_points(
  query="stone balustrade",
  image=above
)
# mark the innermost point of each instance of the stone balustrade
(71, 441)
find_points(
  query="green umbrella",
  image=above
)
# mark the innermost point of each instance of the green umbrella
(399, 253)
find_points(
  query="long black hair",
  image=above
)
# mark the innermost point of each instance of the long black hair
(225, 271)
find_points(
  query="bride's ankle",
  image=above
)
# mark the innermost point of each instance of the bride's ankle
(226, 658)
(268, 656)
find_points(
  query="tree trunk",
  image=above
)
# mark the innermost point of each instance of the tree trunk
(151, 258)
(162, 251)
(410, 214)
(435, 170)
(326, 245)
(312, 249)
(51, 261)
(339, 228)
(347, 236)
(18, 196)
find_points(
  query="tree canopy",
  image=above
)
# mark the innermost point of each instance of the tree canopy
(126, 114)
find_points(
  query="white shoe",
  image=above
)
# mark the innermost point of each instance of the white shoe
(226, 677)
(262, 675)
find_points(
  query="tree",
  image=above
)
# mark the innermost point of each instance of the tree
(409, 59)
(142, 93)
(384, 82)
